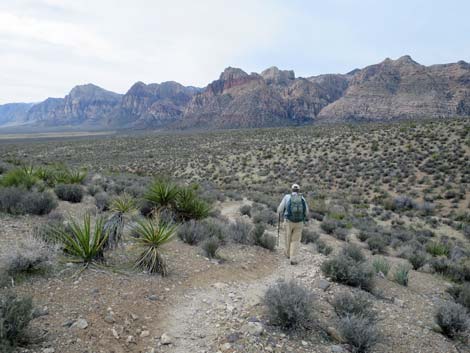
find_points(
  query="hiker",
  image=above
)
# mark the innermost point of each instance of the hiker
(293, 208)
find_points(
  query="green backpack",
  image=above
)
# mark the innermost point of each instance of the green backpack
(296, 209)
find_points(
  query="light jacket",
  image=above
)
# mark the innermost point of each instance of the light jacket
(282, 208)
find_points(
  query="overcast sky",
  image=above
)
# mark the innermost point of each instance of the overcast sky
(49, 46)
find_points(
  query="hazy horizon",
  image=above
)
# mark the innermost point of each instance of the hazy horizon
(49, 46)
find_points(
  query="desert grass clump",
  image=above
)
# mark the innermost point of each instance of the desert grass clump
(102, 201)
(401, 274)
(452, 318)
(290, 305)
(437, 248)
(15, 315)
(261, 238)
(82, 242)
(245, 210)
(381, 265)
(69, 192)
(152, 236)
(417, 259)
(192, 232)
(19, 177)
(358, 332)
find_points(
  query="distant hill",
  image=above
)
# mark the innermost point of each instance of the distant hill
(392, 89)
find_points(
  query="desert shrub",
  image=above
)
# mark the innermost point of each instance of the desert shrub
(29, 256)
(417, 259)
(102, 201)
(94, 189)
(344, 269)
(381, 264)
(324, 248)
(216, 228)
(354, 252)
(401, 203)
(377, 244)
(261, 238)
(437, 248)
(70, 176)
(290, 305)
(461, 294)
(123, 203)
(309, 236)
(45, 231)
(69, 192)
(81, 241)
(151, 237)
(329, 226)
(19, 177)
(265, 216)
(358, 332)
(245, 210)
(241, 232)
(192, 232)
(340, 233)
(358, 304)
(211, 246)
(401, 274)
(19, 201)
(452, 318)
(15, 315)
(39, 203)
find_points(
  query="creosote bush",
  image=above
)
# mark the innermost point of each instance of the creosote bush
(290, 305)
(309, 236)
(69, 192)
(15, 315)
(461, 294)
(452, 318)
(358, 304)
(323, 247)
(358, 332)
(350, 267)
(211, 246)
(19, 201)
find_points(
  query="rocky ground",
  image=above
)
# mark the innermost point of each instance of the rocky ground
(210, 305)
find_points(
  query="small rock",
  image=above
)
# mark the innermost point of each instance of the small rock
(134, 317)
(38, 312)
(109, 319)
(115, 334)
(153, 297)
(219, 285)
(225, 347)
(304, 343)
(254, 328)
(145, 334)
(130, 339)
(166, 339)
(324, 284)
(399, 302)
(68, 323)
(81, 324)
(337, 349)
(233, 337)
(48, 350)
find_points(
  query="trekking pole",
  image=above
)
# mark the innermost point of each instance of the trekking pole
(278, 225)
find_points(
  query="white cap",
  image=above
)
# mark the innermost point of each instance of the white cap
(295, 187)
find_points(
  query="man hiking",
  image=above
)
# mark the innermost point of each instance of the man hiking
(293, 208)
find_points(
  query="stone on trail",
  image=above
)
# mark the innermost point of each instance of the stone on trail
(166, 339)
(324, 284)
(81, 324)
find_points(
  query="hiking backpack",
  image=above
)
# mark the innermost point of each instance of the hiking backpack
(296, 209)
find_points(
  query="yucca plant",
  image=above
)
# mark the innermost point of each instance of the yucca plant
(70, 176)
(47, 175)
(162, 193)
(81, 241)
(189, 206)
(152, 235)
(19, 177)
(123, 203)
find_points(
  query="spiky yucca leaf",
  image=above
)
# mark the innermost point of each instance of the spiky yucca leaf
(189, 206)
(152, 236)
(81, 242)
(162, 193)
(123, 203)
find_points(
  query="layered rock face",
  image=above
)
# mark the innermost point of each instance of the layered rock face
(241, 100)
(153, 105)
(404, 89)
(86, 104)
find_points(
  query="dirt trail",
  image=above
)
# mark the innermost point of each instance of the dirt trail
(203, 316)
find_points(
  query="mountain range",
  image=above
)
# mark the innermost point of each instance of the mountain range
(392, 89)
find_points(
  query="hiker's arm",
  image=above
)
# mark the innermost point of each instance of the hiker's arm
(306, 208)
(282, 206)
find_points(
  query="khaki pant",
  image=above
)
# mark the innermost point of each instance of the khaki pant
(292, 239)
